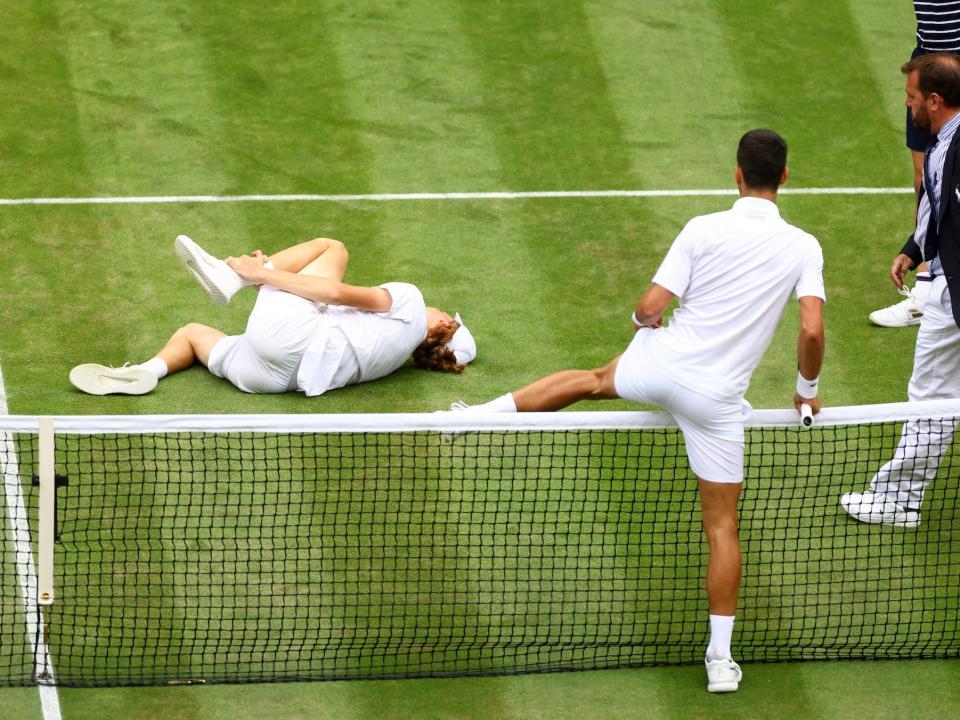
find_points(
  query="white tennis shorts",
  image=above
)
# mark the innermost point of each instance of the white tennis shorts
(712, 429)
(265, 359)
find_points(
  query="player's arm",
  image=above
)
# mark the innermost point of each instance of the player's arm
(312, 287)
(810, 346)
(650, 307)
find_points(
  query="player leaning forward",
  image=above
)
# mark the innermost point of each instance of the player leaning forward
(308, 331)
(733, 272)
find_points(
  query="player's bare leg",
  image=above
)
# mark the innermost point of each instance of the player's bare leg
(719, 504)
(189, 344)
(322, 257)
(557, 391)
(193, 342)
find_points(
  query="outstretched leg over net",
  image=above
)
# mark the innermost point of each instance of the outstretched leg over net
(713, 431)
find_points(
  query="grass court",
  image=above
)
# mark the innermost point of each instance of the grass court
(127, 99)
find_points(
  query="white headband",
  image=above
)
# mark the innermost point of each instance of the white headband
(462, 344)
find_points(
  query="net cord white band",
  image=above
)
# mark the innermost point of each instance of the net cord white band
(459, 421)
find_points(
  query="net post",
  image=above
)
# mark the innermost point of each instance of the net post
(46, 513)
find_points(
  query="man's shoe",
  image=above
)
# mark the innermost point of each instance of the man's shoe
(723, 675)
(869, 507)
(217, 278)
(904, 313)
(96, 379)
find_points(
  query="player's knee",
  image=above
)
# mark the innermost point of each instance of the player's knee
(190, 330)
(602, 385)
(721, 527)
(333, 246)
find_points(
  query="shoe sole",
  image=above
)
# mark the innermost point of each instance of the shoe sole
(724, 687)
(729, 682)
(95, 379)
(190, 258)
(879, 519)
(895, 325)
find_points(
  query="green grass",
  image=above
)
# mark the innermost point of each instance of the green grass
(126, 98)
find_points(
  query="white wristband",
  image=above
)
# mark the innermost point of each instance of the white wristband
(807, 389)
(636, 323)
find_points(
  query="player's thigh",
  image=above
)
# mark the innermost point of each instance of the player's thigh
(328, 258)
(635, 375)
(607, 380)
(233, 359)
(713, 433)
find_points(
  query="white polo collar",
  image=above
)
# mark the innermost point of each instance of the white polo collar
(757, 207)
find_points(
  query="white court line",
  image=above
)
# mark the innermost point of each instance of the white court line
(392, 197)
(26, 570)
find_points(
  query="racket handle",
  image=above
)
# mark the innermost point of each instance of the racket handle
(806, 415)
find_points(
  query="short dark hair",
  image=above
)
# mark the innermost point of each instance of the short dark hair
(762, 157)
(937, 73)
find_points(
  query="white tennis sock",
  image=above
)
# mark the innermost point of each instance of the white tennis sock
(155, 366)
(721, 633)
(504, 404)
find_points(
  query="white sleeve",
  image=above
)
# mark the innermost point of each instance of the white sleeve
(677, 266)
(406, 301)
(810, 283)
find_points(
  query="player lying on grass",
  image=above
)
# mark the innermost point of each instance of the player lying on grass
(733, 272)
(307, 332)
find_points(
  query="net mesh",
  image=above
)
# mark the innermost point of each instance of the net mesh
(260, 556)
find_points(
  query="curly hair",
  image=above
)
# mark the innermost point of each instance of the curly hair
(433, 353)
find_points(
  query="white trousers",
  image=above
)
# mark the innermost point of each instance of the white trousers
(936, 376)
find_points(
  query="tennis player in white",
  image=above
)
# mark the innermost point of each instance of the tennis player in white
(308, 331)
(733, 272)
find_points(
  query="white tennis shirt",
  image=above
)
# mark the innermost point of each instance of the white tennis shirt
(354, 346)
(734, 272)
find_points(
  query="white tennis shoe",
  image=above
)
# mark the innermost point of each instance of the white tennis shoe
(459, 406)
(217, 278)
(96, 379)
(904, 313)
(723, 675)
(870, 507)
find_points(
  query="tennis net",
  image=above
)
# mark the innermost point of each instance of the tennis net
(264, 548)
